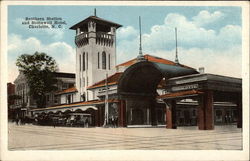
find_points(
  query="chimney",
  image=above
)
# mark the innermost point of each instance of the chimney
(201, 70)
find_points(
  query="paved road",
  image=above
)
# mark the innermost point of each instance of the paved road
(31, 137)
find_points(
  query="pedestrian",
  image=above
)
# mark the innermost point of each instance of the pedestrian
(19, 121)
(112, 121)
(116, 121)
(54, 123)
(16, 121)
(87, 122)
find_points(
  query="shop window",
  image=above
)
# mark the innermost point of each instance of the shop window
(218, 115)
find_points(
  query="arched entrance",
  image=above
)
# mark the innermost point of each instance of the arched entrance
(137, 90)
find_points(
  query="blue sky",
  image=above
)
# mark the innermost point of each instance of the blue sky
(207, 36)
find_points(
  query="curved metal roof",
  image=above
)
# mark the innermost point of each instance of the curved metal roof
(143, 77)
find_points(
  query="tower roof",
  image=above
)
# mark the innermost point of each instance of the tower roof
(96, 19)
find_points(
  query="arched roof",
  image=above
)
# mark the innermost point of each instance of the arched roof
(143, 77)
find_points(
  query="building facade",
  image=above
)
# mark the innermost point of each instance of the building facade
(95, 53)
(25, 102)
(147, 91)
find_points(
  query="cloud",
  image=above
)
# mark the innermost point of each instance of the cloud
(63, 53)
(204, 17)
(198, 46)
(127, 32)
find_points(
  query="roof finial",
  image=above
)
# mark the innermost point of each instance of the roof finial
(176, 52)
(140, 56)
(95, 12)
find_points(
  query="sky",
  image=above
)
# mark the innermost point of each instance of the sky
(208, 37)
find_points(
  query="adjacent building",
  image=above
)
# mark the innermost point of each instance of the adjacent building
(24, 102)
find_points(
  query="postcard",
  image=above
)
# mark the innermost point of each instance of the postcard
(117, 80)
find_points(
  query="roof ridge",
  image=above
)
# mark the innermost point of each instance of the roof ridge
(103, 79)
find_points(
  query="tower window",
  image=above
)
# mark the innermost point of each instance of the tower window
(109, 61)
(80, 62)
(87, 61)
(98, 63)
(103, 60)
(83, 61)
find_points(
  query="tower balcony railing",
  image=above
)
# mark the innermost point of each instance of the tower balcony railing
(82, 39)
(102, 38)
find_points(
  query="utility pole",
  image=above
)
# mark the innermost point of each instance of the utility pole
(106, 119)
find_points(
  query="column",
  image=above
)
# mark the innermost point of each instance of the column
(206, 111)
(201, 114)
(171, 115)
(239, 109)
(122, 114)
(209, 110)
(101, 115)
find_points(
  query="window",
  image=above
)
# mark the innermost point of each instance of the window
(83, 61)
(80, 62)
(47, 98)
(64, 86)
(103, 60)
(109, 61)
(87, 61)
(68, 98)
(98, 63)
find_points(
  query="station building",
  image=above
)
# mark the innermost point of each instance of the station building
(149, 91)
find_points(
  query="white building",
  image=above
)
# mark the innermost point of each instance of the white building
(95, 53)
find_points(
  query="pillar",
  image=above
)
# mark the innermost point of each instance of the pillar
(122, 114)
(206, 111)
(239, 111)
(101, 115)
(171, 115)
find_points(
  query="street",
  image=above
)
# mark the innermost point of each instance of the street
(32, 137)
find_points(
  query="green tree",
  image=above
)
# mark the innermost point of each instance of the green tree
(39, 71)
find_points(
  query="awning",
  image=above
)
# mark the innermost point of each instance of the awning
(181, 94)
(84, 108)
(72, 109)
(80, 114)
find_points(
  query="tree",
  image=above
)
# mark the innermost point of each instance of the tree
(39, 71)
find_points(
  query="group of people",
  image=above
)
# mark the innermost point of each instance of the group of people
(22, 120)
(113, 121)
